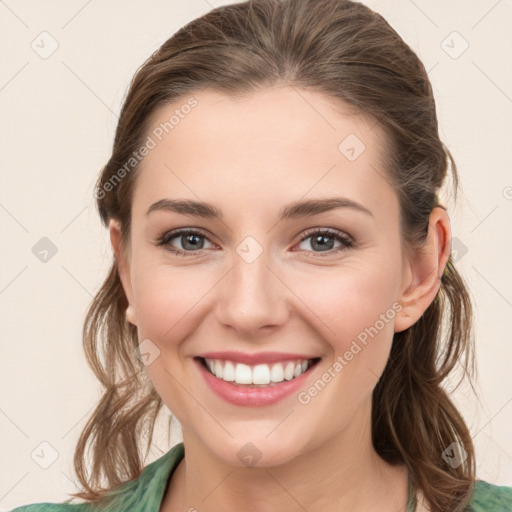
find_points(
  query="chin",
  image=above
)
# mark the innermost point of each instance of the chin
(258, 450)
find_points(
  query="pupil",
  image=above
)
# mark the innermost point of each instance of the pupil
(189, 237)
(321, 241)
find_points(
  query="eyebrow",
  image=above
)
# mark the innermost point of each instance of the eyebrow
(294, 210)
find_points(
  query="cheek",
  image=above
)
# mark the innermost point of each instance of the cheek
(167, 304)
(168, 300)
(355, 316)
(349, 304)
(158, 308)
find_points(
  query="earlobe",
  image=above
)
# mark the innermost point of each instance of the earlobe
(424, 271)
(123, 267)
(130, 315)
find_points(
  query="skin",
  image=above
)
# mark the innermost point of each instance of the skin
(250, 157)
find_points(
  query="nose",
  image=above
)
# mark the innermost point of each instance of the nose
(252, 297)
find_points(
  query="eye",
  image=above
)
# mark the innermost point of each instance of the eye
(323, 239)
(190, 238)
(192, 241)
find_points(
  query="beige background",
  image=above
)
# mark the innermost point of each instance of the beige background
(58, 116)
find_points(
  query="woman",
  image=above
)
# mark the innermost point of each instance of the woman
(281, 275)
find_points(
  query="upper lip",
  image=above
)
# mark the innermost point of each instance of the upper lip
(256, 358)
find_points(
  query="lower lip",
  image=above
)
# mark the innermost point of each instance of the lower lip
(252, 396)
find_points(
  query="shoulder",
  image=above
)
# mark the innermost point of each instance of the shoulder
(52, 507)
(487, 497)
(142, 493)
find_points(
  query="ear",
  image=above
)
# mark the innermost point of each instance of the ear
(123, 267)
(423, 270)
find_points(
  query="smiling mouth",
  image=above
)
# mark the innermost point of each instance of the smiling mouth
(259, 375)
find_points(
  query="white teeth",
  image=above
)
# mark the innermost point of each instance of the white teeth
(228, 374)
(243, 374)
(218, 369)
(277, 373)
(288, 371)
(260, 374)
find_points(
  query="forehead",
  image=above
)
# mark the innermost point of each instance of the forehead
(283, 141)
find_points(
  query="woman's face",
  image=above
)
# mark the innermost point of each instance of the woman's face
(263, 276)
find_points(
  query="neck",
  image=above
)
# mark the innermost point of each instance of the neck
(342, 474)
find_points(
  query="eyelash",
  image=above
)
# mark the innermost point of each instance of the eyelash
(346, 241)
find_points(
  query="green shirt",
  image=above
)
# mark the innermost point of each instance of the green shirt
(145, 493)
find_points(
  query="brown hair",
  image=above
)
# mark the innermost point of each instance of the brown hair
(346, 51)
